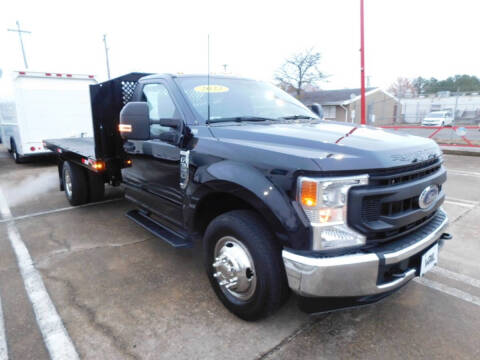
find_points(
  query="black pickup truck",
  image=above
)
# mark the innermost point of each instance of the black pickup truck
(340, 214)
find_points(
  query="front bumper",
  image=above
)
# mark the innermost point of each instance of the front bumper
(380, 270)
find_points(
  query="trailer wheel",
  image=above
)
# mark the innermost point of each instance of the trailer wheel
(96, 186)
(75, 183)
(244, 265)
(16, 156)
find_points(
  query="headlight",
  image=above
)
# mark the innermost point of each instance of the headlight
(324, 201)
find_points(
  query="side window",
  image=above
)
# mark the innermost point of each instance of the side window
(161, 106)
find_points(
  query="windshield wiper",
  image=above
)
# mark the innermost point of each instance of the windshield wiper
(238, 119)
(297, 117)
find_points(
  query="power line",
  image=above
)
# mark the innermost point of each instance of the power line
(20, 32)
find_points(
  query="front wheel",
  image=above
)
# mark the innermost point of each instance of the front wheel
(244, 265)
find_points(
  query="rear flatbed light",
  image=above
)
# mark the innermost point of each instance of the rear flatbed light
(97, 165)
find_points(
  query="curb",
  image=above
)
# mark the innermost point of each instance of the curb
(462, 152)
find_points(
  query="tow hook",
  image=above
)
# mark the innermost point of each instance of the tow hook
(446, 236)
(443, 237)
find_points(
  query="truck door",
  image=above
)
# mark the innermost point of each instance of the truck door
(155, 173)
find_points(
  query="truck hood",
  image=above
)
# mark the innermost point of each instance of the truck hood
(323, 146)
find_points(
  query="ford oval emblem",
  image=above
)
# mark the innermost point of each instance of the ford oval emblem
(428, 196)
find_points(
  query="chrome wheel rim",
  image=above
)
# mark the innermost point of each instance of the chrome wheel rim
(233, 268)
(68, 184)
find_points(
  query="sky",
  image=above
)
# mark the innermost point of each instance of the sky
(404, 38)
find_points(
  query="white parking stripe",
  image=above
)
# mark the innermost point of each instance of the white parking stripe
(471, 206)
(55, 336)
(3, 338)
(53, 211)
(456, 276)
(449, 198)
(459, 294)
(464, 173)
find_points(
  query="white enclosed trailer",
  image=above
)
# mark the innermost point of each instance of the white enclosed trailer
(38, 105)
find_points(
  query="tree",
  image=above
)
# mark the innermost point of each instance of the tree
(465, 83)
(402, 87)
(420, 84)
(300, 72)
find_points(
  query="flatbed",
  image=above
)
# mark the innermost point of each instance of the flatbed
(103, 153)
(83, 147)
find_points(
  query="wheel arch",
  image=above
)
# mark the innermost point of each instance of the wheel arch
(228, 185)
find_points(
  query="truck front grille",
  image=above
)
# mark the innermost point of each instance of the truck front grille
(388, 207)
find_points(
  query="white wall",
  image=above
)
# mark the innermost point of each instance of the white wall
(415, 109)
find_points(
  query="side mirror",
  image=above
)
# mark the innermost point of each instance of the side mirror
(317, 109)
(135, 125)
(171, 123)
(135, 121)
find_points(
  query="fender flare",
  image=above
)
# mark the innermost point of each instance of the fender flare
(252, 186)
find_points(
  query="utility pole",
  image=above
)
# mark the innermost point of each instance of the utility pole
(362, 67)
(20, 31)
(106, 55)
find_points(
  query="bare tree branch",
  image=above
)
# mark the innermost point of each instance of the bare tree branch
(300, 71)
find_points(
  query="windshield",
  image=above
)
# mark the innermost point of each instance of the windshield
(241, 99)
(435, 115)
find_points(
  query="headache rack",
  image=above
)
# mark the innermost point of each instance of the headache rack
(107, 100)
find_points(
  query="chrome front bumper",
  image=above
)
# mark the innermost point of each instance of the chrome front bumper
(357, 274)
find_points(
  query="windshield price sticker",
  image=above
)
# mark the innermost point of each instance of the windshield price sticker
(211, 88)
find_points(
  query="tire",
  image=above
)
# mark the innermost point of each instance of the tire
(268, 288)
(96, 187)
(75, 183)
(15, 155)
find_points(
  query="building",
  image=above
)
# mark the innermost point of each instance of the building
(466, 107)
(344, 105)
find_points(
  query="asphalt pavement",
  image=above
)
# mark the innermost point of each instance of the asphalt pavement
(87, 282)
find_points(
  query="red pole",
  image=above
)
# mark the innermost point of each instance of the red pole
(362, 66)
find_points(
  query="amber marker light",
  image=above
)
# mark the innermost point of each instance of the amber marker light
(308, 193)
(96, 164)
(124, 128)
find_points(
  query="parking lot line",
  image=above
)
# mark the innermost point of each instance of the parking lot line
(3, 338)
(53, 211)
(55, 336)
(471, 206)
(464, 173)
(472, 202)
(459, 294)
(456, 276)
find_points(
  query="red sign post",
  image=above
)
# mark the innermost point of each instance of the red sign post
(362, 66)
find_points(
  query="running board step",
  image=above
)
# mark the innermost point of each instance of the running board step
(159, 230)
